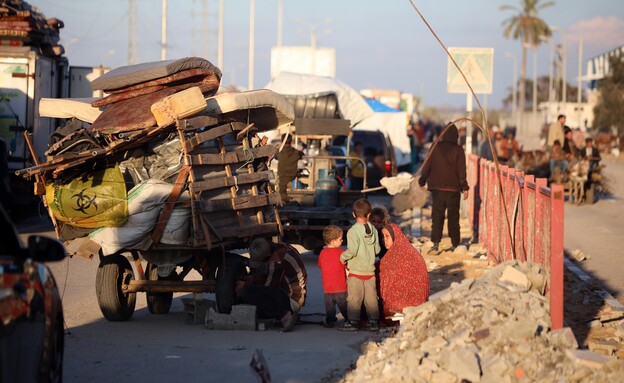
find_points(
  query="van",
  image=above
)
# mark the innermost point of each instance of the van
(378, 154)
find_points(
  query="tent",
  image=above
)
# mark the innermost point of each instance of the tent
(364, 114)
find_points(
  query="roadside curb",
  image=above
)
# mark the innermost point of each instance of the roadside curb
(583, 276)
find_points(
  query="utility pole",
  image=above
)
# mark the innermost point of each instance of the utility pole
(132, 34)
(163, 35)
(251, 43)
(220, 47)
(580, 83)
(280, 18)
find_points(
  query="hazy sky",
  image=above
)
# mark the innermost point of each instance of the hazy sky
(379, 44)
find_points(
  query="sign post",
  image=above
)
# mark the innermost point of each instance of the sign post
(477, 65)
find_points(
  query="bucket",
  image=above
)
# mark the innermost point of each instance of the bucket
(177, 230)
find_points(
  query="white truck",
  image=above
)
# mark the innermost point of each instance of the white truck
(25, 78)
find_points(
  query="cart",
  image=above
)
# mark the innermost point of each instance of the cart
(228, 208)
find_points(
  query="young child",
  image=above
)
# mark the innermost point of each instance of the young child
(362, 247)
(334, 275)
(379, 218)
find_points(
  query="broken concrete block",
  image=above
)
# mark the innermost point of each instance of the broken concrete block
(563, 337)
(242, 317)
(196, 309)
(607, 347)
(514, 280)
(463, 363)
(587, 358)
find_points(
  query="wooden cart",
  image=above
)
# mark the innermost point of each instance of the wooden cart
(229, 208)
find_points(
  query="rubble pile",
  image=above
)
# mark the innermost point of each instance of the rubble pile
(492, 329)
(22, 25)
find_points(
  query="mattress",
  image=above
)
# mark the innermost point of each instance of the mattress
(265, 108)
(202, 77)
(135, 74)
(79, 108)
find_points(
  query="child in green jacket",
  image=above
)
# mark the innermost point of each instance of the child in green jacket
(362, 247)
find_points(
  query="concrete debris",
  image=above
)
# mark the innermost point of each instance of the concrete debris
(480, 330)
(579, 255)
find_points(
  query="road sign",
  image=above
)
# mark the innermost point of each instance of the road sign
(477, 64)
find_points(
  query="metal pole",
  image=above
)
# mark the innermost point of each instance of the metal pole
(534, 82)
(468, 123)
(564, 96)
(220, 41)
(163, 35)
(251, 43)
(580, 83)
(280, 18)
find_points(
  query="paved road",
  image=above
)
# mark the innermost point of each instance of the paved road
(598, 231)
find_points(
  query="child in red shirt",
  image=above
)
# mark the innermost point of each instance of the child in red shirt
(334, 275)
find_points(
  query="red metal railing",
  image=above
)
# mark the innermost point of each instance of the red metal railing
(520, 218)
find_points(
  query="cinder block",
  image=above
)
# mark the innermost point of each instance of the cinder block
(196, 309)
(242, 317)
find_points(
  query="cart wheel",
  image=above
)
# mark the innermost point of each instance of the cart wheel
(157, 303)
(231, 271)
(311, 241)
(113, 272)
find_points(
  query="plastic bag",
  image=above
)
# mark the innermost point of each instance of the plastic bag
(95, 200)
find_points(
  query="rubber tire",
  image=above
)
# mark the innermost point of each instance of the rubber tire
(157, 303)
(114, 304)
(227, 275)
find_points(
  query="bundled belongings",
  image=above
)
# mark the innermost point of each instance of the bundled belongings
(24, 25)
(166, 171)
(210, 154)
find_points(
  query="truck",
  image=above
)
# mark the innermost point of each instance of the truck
(32, 67)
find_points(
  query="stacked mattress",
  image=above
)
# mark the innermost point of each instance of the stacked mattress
(24, 25)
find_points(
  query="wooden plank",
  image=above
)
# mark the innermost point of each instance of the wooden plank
(226, 158)
(197, 122)
(237, 203)
(249, 231)
(211, 134)
(241, 179)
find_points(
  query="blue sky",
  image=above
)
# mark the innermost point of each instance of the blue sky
(379, 44)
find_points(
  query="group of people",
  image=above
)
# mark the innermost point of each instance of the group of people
(352, 278)
(564, 149)
(379, 272)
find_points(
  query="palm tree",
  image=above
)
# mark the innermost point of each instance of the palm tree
(526, 25)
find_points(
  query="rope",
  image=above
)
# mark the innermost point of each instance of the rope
(484, 128)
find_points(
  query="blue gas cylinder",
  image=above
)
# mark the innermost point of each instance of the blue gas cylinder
(326, 190)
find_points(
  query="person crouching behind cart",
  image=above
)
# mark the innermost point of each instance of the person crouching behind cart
(276, 284)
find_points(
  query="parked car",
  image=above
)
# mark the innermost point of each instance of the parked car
(31, 314)
(376, 144)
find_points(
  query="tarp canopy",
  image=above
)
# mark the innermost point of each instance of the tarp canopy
(351, 104)
(380, 107)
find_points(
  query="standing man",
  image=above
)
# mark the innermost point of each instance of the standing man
(555, 131)
(287, 166)
(445, 176)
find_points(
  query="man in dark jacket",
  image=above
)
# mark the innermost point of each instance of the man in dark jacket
(445, 176)
(287, 166)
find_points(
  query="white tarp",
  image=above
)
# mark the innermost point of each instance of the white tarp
(394, 125)
(351, 104)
